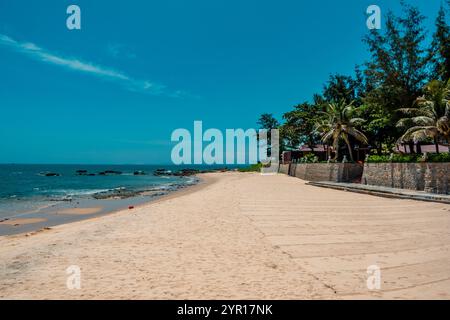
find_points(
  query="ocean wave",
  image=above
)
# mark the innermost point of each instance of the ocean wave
(57, 191)
(81, 192)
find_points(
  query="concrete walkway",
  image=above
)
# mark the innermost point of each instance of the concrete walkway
(384, 191)
(337, 235)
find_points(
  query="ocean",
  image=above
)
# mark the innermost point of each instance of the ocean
(28, 188)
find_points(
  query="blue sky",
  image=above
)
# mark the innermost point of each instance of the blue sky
(114, 91)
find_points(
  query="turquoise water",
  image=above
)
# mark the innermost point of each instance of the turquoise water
(24, 188)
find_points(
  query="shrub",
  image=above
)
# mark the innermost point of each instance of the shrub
(441, 157)
(408, 158)
(378, 159)
(396, 158)
(309, 158)
(252, 168)
(405, 158)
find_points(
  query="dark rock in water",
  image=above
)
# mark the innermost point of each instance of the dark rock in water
(109, 172)
(139, 173)
(113, 172)
(84, 173)
(159, 194)
(186, 172)
(52, 174)
(116, 193)
(162, 172)
(119, 193)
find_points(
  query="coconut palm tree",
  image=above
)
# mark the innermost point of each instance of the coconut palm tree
(429, 117)
(338, 124)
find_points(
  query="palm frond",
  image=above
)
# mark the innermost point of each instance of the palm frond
(423, 120)
(358, 135)
(419, 133)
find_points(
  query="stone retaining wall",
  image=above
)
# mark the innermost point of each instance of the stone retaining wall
(428, 177)
(336, 172)
(284, 168)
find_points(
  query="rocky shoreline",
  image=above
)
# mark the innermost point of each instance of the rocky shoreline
(157, 172)
(186, 172)
(123, 193)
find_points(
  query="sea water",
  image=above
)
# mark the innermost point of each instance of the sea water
(26, 188)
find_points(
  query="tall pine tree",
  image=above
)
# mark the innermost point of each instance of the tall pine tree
(440, 48)
(396, 72)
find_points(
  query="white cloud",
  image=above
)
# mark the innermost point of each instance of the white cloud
(117, 50)
(74, 64)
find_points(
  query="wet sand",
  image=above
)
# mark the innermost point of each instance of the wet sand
(21, 221)
(63, 212)
(240, 236)
(80, 211)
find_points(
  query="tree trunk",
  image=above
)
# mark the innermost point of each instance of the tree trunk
(411, 147)
(336, 151)
(436, 144)
(349, 150)
(419, 148)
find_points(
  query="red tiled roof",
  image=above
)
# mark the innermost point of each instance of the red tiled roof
(318, 147)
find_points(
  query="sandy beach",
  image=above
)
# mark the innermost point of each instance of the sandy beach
(240, 236)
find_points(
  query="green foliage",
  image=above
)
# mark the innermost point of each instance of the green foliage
(378, 158)
(440, 48)
(299, 125)
(342, 88)
(430, 115)
(409, 158)
(394, 79)
(396, 158)
(309, 158)
(268, 121)
(395, 74)
(252, 168)
(340, 124)
(439, 157)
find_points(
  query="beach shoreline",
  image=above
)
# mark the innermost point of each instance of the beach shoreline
(83, 209)
(239, 236)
